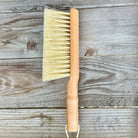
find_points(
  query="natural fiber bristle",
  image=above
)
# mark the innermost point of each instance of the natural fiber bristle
(56, 48)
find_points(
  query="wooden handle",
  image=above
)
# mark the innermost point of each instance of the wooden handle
(72, 87)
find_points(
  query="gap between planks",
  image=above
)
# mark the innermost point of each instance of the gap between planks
(33, 6)
(80, 107)
(90, 57)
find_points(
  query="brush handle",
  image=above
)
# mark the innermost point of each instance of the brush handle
(72, 105)
(72, 86)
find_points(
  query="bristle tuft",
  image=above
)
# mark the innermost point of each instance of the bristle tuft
(56, 49)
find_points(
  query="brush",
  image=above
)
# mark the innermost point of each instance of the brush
(61, 56)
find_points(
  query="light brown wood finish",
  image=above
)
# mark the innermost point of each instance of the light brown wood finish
(107, 31)
(72, 85)
(95, 123)
(104, 81)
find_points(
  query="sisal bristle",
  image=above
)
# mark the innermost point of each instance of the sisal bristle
(56, 48)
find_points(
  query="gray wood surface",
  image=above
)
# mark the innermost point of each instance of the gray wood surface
(50, 123)
(30, 108)
(104, 81)
(37, 5)
(107, 31)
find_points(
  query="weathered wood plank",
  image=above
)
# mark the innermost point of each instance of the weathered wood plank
(31, 5)
(104, 81)
(17, 31)
(107, 31)
(94, 123)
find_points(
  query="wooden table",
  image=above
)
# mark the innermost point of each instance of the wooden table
(108, 86)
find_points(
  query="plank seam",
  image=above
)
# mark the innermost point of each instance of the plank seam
(81, 107)
(67, 7)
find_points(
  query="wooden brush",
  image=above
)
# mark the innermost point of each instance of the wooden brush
(61, 56)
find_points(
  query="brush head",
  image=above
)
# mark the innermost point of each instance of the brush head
(56, 47)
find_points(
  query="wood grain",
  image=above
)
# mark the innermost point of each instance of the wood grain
(108, 70)
(104, 81)
(105, 31)
(109, 31)
(17, 31)
(34, 6)
(50, 123)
